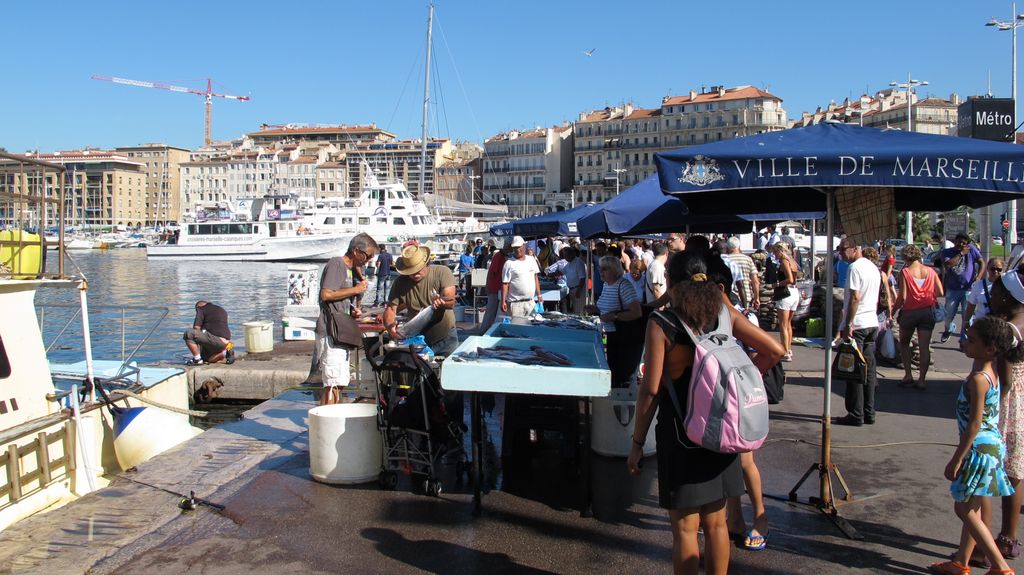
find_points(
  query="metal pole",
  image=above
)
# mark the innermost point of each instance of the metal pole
(426, 103)
(1011, 208)
(826, 417)
(83, 286)
(910, 128)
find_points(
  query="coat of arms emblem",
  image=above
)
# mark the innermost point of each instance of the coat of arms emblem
(701, 171)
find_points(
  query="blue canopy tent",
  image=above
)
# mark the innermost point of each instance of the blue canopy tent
(644, 209)
(868, 168)
(550, 224)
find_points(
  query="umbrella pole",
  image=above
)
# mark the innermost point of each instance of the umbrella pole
(825, 502)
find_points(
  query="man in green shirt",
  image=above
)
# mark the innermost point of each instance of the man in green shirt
(420, 286)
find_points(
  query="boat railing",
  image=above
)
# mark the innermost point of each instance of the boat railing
(25, 476)
(127, 374)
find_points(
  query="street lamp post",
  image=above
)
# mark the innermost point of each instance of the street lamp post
(472, 185)
(909, 85)
(1011, 25)
(618, 172)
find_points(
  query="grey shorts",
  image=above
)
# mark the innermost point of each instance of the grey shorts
(209, 344)
(913, 319)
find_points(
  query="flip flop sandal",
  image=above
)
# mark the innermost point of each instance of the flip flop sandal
(755, 542)
(977, 559)
(906, 383)
(949, 568)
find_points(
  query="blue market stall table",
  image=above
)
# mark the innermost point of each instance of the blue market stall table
(534, 360)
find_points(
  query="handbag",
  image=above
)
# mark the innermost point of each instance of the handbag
(341, 328)
(780, 293)
(849, 363)
(939, 313)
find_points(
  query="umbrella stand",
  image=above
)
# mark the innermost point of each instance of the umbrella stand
(826, 502)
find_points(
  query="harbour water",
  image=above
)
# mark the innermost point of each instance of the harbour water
(126, 288)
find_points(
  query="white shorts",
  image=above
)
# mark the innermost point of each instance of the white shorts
(333, 361)
(790, 302)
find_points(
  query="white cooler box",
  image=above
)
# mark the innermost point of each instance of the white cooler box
(298, 328)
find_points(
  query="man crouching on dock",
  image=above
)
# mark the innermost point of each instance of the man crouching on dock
(209, 339)
(340, 287)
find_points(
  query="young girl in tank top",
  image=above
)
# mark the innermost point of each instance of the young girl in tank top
(976, 468)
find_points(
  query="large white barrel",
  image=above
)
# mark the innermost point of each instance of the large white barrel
(143, 432)
(344, 443)
(613, 420)
(259, 336)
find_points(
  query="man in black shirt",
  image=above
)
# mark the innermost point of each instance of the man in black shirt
(209, 339)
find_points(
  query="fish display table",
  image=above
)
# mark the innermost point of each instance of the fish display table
(536, 360)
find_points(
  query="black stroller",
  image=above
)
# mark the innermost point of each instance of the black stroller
(413, 419)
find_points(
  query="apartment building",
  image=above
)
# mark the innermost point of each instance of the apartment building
(929, 116)
(459, 180)
(204, 183)
(162, 165)
(397, 161)
(531, 172)
(332, 181)
(615, 146)
(102, 188)
(341, 135)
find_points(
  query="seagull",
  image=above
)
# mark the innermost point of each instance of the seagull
(589, 52)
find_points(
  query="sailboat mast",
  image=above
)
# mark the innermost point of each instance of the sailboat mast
(426, 102)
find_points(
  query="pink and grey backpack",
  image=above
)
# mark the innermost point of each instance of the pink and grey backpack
(727, 406)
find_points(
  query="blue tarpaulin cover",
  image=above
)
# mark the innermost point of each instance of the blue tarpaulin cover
(551, 224)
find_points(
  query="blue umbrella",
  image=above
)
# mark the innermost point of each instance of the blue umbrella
(788, 170)
(550, 224)
(805, 169)
(644, 209)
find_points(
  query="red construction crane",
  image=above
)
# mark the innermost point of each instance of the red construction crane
(209, 94)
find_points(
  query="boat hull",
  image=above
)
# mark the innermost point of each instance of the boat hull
(298, 248)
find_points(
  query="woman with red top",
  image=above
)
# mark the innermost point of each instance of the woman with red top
(889, 259)
(919, 289)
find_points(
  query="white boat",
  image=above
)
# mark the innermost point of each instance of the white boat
(263, 229)
(55, 444)
(387, 212)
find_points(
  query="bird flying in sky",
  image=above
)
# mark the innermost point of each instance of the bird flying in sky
(589, 52)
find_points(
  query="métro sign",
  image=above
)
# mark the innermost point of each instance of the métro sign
(986, 119)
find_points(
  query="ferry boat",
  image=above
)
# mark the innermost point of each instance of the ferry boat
(387, 212)
(270, 228)
(57, 444)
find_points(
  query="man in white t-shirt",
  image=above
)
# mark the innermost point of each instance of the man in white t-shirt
(979, 298)
(860, 322)
(520, 282)
(655, 281)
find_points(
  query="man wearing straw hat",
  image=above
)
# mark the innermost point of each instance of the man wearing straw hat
(420, 286)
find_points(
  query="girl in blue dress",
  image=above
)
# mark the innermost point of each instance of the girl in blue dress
(976, 468)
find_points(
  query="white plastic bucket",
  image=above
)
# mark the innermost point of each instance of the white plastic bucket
(259, 336)
(344, 443)
(612, 422)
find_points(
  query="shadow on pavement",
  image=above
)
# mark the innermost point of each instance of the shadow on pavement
(435, 556)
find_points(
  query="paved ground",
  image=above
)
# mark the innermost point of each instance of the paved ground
(277, 520)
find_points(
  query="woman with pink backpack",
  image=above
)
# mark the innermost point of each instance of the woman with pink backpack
(694, 481)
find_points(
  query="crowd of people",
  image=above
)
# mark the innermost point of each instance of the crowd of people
(646, 291)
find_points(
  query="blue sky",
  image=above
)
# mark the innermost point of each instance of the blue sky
(499, 65)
